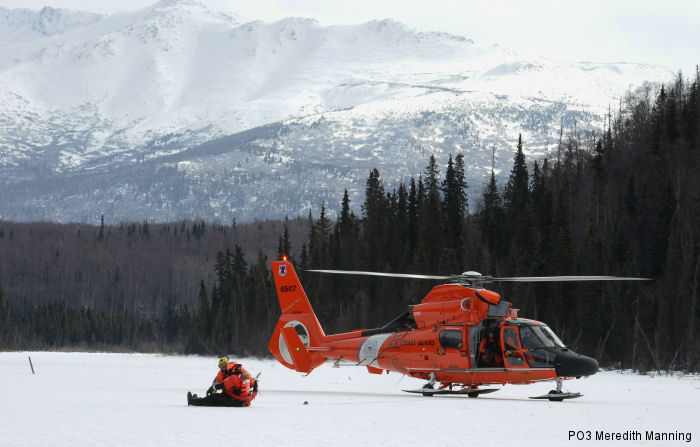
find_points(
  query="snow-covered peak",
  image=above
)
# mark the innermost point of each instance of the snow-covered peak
(21, 25)
(390, 30)
(517, 67)
(290, 29)
(190, 10)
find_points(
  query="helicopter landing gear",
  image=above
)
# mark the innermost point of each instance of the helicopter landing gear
(429, 388)
(557, 395)
(469, 392)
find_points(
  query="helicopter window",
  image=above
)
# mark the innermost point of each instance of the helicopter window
(540, 358)
(510, 340)
(531, 340)
(512, 348)
(533, 337)
(552, 336)
(528, 338)
(451, 338)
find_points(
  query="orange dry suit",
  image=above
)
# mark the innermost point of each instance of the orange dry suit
(237, 383)
(489, 352)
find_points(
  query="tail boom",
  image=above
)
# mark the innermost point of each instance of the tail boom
(298, 332)
(299, 342)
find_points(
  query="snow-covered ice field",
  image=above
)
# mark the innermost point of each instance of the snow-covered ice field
(99, 399)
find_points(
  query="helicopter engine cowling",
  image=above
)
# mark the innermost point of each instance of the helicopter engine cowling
(435, 313)
(451, 303)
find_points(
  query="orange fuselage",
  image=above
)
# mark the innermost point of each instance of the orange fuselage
(440, 344)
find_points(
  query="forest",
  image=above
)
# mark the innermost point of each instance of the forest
(625, 202)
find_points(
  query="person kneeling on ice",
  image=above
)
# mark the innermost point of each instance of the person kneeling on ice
(237, 386)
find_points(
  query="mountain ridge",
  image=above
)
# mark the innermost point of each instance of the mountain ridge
(112, 92)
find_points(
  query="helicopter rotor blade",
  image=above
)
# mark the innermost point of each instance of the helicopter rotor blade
(389, 275)
(477, 278)
(567, 278)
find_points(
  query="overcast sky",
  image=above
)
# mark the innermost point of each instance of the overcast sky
(658, 32)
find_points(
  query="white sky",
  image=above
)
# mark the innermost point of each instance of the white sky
(649, 31)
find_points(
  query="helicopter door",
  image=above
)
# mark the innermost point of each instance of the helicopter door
(452, 350)
(510, 342)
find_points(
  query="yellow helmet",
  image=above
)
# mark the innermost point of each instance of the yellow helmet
(223, 362)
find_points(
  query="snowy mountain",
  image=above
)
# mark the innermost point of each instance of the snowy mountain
(179, 111)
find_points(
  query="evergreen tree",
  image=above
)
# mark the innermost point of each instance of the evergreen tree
(412, 210)
(401, 234)
(320, 255)
(491, 222)
(284, 247)
(658, 119)
(346, 234)
(455, 204)
(203, 316)
(516, 193)
(374, 222)
(518, 210)
(430, 222)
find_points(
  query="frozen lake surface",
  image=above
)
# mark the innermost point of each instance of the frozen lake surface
(88, 399)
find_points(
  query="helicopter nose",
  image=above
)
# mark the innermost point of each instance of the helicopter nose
(570, 364)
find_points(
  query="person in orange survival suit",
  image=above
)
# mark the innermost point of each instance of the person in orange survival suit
(237, 386)
(489, 351)
(245, 391)
(510, 342)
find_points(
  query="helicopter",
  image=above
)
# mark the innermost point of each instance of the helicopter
(459, 338)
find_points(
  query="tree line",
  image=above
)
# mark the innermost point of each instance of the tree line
(625, 202)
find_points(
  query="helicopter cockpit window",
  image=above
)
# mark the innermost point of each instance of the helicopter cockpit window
(451, 339)
(528, 339)
(540, 358)
(552, 336)
(533, 337)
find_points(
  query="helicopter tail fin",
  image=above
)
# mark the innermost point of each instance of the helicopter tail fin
(298, 331)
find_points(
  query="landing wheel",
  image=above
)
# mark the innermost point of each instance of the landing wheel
(557, 395)
(473, 394)
(429, 386)
(552, 396)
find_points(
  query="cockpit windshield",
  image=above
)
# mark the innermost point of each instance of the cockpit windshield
(533, 337)
(552, 336)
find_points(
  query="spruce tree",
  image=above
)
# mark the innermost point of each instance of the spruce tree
(491, 223)
(431, 222)
(455, 204)
(374, 222)
(284, 247)
(518, 207)
(412, 210)
(203, 315)
(346, 235)
(516, 193)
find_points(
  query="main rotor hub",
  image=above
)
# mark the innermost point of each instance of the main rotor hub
(471, 278)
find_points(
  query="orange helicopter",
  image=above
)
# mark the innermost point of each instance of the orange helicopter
(461, 336)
